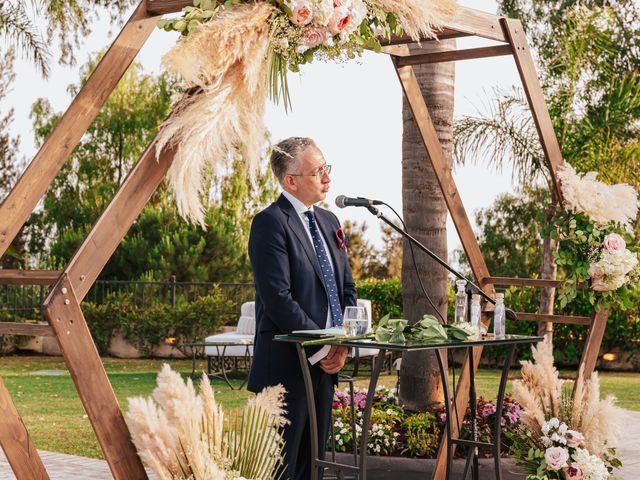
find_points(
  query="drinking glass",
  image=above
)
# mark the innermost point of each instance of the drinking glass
(355, 321)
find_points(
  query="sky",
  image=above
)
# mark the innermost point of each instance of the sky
(353, 110)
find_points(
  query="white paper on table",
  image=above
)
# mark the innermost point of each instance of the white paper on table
(319, 355)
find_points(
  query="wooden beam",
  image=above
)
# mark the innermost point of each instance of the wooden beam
(567, 319)
(527, 70)
(478, 23)
(16, 443)
(443, 173)
(16, 208)
(28, 329)
(162, 7)
(455, 55)
(28, 277)
(523, 282)
(81, 356)
(594, 341)
(114, 223)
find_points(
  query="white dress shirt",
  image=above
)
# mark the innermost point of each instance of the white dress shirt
(300, 208)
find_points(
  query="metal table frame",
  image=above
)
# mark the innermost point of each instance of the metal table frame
(360, 470)
(221, 347)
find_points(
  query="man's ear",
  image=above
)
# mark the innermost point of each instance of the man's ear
(290, 183)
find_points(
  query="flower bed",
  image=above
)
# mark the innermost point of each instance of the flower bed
(395, 431)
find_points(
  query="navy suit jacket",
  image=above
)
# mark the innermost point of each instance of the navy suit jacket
(290, 292)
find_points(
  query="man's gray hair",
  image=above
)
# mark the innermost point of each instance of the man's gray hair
(285, 155)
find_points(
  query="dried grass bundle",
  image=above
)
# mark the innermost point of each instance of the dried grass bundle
(601, 202)
(600, 421)
(543, 396)
(228, 112)
(419, 18)
(182, 434)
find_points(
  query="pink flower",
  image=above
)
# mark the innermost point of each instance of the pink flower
(574, 438)
(556, 457)
(597, 279)
(614, 243)
(313, 36)
(574, 472)
(339, 20)
(301, 12)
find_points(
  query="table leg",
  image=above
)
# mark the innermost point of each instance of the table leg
(497, 430)
(193, 361)
(447, 405)
(366, 415)
(311, 407)
(473, 404)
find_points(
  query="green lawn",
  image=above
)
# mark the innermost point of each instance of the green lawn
(52, 411)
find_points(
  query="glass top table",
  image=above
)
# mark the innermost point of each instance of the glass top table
(220, 371)
(359, 468)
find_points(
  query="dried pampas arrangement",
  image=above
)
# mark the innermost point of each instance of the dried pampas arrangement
(231, 61)
(601, 202)
(419, 18)
(182, 434)
(226, 60)
(542, 395)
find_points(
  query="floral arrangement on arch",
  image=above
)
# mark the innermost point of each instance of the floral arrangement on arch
(595, 231)
(233, 54)
(563, 436)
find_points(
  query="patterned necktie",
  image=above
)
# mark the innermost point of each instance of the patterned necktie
(327, 272)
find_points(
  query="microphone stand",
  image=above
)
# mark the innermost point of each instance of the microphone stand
(510, 314)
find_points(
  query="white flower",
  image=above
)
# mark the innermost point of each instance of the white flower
(546, 428)
(592, 466)
(554, 422)
(323, 11)
(562, 429)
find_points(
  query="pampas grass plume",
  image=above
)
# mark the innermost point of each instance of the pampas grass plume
(419, 18)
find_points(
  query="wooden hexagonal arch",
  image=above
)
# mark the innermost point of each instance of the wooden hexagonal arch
(62, 307)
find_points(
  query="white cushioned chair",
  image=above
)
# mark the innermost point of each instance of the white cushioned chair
(245, 331)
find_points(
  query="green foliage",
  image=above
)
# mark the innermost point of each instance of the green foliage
(421, 434)
(385, 296)
(148, 326)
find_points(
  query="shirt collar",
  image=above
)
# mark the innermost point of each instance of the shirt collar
(298, 206)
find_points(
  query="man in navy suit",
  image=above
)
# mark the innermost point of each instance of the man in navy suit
(303, 282)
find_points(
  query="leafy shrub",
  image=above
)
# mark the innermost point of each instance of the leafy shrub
(385, 296)
(421, 434)
(146, 327)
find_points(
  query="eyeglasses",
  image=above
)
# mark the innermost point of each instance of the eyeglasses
(318, 173)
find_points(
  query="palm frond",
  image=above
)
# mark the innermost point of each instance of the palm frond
(21, 33)
(504, 134)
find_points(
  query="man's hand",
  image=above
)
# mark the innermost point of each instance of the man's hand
(334, 361)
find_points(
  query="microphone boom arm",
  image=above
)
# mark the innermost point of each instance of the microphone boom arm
(510, 313)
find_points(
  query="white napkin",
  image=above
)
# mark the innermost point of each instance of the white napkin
(319, 355)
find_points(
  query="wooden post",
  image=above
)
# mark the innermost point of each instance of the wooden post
(594, 341)
(16, 443)
(16, 208)
(81, 356)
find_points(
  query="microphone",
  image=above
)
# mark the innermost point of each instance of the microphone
(342, 201)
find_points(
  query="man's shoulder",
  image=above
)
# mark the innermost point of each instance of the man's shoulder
(271, 213)
(326, 214)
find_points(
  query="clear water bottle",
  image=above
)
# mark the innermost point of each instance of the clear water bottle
(475, 313)
(498, 317)
(461, 302)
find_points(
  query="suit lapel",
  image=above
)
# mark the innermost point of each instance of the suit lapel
(295, 224)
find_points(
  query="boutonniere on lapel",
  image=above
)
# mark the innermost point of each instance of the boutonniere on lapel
(341, 239)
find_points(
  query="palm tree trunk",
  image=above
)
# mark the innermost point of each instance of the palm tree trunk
(425, 213)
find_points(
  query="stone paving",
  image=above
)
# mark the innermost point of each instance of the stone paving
(61, 466)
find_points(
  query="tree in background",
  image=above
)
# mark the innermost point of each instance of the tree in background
(9, 163)
(369, 262)
(588, 57)
(70, 21)
(425, 213)
(159, 244)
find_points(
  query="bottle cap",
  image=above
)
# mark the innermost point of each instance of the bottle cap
(475, 298)
(499, 296)
(461, 284)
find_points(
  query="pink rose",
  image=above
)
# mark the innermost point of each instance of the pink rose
(339, 20)
(301, 13)
(614, 243)
(574, 472)
(313, 36)
(574, 438)
(556, 458)
(597, 279)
